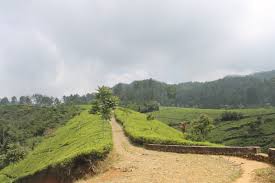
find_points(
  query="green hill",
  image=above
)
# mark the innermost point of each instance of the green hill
(232, 91)
(24, 126)
(141, 130)
(84, 138)
(245, 132)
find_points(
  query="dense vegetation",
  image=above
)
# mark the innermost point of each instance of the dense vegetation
(257, 126)
(231, 91)
(22, 127)
(145, 107)
(141, 130)
(43, 100)
(85, 137)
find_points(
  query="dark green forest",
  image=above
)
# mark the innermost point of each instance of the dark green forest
(231, 91)
(24, 126)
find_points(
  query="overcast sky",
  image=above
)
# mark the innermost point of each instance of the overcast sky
(58, 47)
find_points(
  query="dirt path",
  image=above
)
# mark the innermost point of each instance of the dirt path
(133, 164)
(248, 167)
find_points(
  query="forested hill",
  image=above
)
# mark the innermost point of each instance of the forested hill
(232, 91)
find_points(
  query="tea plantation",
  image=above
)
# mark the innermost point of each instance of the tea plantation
(140, 130)
(248, 131)
(85, 135)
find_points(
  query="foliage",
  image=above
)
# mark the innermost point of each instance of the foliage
(25, 125)
(231, 116)
(229, 92)
(14, 153)
(77, 99)
(83, 135)
(200, 128)
(140, 130)
(235, 133)
(150, 117)
(148, 107)
(4, 101)
(104, 102)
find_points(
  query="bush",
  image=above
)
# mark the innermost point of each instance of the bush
(150, 117)
(200, 128)
(231, 116)
(149, 107)
(14, 153)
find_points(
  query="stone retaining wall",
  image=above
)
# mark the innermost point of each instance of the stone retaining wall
(271, 154)
(205, 149)
(253, 153)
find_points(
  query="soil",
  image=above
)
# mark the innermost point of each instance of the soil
(132, 164)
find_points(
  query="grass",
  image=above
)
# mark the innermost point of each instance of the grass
(174, 115)
(140, 130)
(84, 135)
(234, 133)
(265, 175)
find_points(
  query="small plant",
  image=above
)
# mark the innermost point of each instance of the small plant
(150, 117)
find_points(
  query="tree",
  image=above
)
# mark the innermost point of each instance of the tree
(14, 100)
(104, 102)
(56, 101)
(25, 100)
(200, 128)
(4, 101)
(14, 153)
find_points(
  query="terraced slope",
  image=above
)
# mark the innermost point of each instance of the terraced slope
(245, 132)
(140, 130)
(84, 138)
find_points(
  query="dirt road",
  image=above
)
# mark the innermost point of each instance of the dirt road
(131, 164)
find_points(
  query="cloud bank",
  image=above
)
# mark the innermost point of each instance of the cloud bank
(63, 47)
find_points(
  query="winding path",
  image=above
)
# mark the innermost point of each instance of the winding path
(131, 164)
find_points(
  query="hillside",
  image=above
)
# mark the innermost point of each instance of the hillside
(24, 126)
(231, 91)
(141, 130)
(245, 132)
(83, 140)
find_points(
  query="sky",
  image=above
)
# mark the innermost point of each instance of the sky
(60, 47)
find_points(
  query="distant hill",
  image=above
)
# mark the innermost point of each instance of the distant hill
(264, 75)
(232, 91)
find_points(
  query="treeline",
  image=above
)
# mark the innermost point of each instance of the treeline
(233, 91)
(43, 100)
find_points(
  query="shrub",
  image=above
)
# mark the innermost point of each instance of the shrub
(200, 128)
(150, 117)
(149, 107)
(231, 116)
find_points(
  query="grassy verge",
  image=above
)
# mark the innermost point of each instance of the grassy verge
(84, 136)
(140, 130)
(266, 175)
